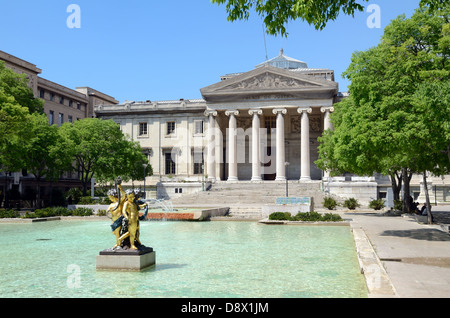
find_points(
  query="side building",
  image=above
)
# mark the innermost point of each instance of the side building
(61, 104)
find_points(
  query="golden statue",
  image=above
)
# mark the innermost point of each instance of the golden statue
(124, 209)
(115, 208)
(130, 213)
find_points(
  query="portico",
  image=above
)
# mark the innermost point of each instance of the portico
(249, 145)
(261, 125)
(270, 119)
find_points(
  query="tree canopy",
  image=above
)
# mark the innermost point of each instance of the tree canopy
(16, 103)
(101, 150)
(397, 115)
(277, 13)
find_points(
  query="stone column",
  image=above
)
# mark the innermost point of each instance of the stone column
(280, 156)
(305, 171)
(232, 145)
(327, 126)
(211, 146)
(256, 161)
(326, 118)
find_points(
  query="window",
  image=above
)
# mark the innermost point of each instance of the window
(78, 105)
(170, 163)
(52, 96)
(51, 117)
(198, 162)
(170, 128)
(69, 119)
(143, 131)
(198, 127)
(61, 100)
(270, 123)
(60, 119)
(70, 103)
(42, 93)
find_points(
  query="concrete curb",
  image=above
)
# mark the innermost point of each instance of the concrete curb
(378, 283)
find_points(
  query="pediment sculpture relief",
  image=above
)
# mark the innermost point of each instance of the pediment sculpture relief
(269, 81)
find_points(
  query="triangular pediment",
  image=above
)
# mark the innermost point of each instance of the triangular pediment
(267, 80)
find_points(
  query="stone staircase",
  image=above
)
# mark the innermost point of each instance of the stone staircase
(246, 198)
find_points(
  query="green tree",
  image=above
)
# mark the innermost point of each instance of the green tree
(39, 150)
(388, 124)
(16, 102)
(16, 85)
(277, 13)
(101, 150)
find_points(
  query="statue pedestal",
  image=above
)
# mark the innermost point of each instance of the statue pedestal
(124, 259)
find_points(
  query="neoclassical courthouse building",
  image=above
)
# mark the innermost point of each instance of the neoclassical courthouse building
(254, 127)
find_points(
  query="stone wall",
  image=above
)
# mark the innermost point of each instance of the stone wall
(364, 189)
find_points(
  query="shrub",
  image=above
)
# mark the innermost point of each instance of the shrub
(74, 195)
(351, 204)
(330, 217)
(308, 217)
(58, 211)
(86, 200)
(61, 211)
(305, 217)
(376, 204)
(329, 203)
(101, 212)
(398, 205)
(104, 200)
(6, 213)
(40, 213)
(317, 217)
(280, 216)
(82, 212)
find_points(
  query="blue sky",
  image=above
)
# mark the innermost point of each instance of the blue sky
(163, 50)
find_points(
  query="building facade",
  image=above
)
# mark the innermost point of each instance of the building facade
(257, 126)
(61, 104)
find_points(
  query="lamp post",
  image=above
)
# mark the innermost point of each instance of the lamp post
(286, 164)
(203, 177)
(145, 167)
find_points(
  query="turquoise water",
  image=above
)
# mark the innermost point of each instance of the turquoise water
(193, 259)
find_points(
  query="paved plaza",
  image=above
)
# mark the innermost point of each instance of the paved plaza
(415, 256)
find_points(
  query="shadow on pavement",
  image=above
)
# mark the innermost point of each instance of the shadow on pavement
(419, 234)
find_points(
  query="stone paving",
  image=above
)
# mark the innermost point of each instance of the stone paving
(415, 257)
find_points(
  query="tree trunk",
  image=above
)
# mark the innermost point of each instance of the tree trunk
(38, 192)
(396, 182)
(84, 188)
(427, 198)
(406, 194)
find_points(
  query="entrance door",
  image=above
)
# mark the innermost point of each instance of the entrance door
(269, 165)
(269, 171)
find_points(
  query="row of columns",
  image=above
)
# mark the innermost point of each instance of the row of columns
(305, 174)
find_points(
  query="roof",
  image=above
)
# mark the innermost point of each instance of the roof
(283, 61)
